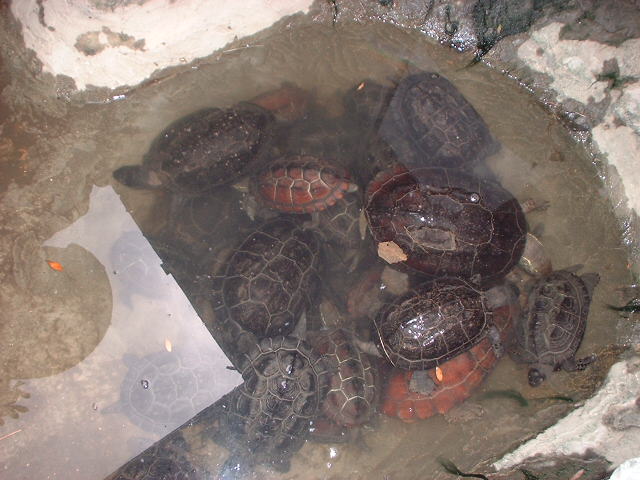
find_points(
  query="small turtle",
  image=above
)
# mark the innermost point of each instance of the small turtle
(430, 123)
(164, 389)
(268, 281)
(302, 184)
(350, 400)
(444, 222)
(551, 331)
(269, 415)
(415, 395)
(205, 149)
(431, 324)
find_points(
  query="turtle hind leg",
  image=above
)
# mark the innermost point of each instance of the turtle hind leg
(572, 365)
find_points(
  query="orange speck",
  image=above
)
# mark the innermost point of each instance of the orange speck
(167, 345)
(439, 374)
(361, 86)
(57, 266)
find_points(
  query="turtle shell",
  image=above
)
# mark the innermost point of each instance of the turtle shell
(268, 281)
(455, 381)
(351, 397)
(340, 223)
(556, 318)
(201, 151)
(446, 222)
(302, 184)
(430, 123)
(432, 324)
(284, 385)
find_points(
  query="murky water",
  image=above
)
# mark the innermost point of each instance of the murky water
(84, 340)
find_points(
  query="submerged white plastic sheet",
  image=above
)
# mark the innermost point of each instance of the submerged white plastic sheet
(174, 366)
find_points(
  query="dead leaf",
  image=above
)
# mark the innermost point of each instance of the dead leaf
(391, 252)
(57, 266)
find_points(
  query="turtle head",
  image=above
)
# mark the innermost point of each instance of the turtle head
(136, 176)
(536, 377)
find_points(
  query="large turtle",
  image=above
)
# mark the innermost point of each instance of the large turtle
(430, 123)
(414, 395)
(446, 222)
(201, 151)
(432, 324)
(268, 281)
(550, 333)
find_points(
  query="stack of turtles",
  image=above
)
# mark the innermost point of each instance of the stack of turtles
(415, 190)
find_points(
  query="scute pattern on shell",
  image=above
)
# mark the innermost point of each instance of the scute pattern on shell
(556, 318)
(284, 384)
(269, 280)
(447, 222)
(351, 397)
(203, 150)
(302, 184)
(339, 223)
(430, 325)
(459, 376)
(430, 123)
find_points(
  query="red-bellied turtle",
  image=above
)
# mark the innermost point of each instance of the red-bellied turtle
(430, 123)
(552, 329)
(444, 222)
(201, 151)
(415, 395)
(431, 324)
(302, 184)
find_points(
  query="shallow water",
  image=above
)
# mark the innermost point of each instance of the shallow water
(76, 334)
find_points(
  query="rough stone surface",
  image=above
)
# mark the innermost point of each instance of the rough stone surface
(629, 470)
(588, 427)
(118, 43)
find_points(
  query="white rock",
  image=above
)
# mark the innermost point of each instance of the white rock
(583, 429)
(629, 470)
(124, 45)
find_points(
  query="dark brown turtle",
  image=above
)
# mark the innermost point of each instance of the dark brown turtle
(268, 281)
(350, 400)
(270, 414)
(551, 331)
(444, 222)
(203, 150)
(340, 223)
(430, 123)
(431, 324)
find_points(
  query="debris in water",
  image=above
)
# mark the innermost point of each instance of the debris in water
(10, 434)
(511, 394)
(391, 252)
(167, 345)
(57, 266)
(145, 384)
(449, 466)
(439, 374)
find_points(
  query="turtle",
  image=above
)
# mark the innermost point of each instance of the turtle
(165, 459)
(431, 324)
(265, 285)
(445, 222)
(163, 389)
(269, 416)
(350, 400)
(287, 102)
(553, 326)
(203, 150)
(415, 395)
(302, 184)
(430, 123)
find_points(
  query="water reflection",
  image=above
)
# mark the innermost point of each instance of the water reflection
(100, 404)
